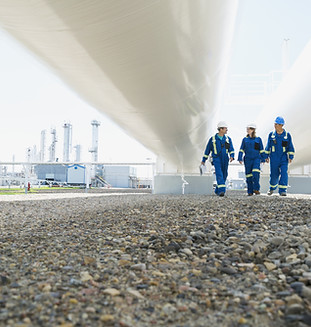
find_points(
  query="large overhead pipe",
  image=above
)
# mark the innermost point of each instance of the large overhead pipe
(155, 67)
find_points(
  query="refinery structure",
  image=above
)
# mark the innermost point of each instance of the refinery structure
(42, 168)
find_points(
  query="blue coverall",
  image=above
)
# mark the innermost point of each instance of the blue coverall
(279, 148)
(221, 149)
(254, 153)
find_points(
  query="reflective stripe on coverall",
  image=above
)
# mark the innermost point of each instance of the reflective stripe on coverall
(279, 148)
(221, 149)
(253, 151)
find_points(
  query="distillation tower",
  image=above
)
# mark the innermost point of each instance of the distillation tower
(42, 146)
(94, 148)
(52, 147)
(77, 153)
(67, 141)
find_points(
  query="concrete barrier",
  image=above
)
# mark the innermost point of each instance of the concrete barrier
(173, 184)
(296, 184)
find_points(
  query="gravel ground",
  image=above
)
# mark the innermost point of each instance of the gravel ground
(151, 260)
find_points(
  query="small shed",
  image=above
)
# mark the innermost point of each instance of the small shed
(76, 174)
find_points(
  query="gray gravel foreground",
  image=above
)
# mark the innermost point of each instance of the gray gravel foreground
(151, 260)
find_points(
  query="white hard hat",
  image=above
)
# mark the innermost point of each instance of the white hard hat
(251, 125)
(222, 124)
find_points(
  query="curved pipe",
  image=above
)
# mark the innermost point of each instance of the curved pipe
(154, 67)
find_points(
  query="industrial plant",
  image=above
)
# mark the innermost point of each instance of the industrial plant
(41, 169)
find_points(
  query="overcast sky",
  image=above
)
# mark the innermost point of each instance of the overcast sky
(262, 27)
(33, 99)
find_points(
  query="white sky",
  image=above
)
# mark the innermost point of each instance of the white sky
(33, 99)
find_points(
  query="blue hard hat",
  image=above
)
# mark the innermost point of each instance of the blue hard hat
(279, 120)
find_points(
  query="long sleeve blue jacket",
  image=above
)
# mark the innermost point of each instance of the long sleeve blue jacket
(280, 146)
(252, 148)
(219, 148)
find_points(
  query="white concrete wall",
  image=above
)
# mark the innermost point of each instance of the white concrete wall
(172, 184)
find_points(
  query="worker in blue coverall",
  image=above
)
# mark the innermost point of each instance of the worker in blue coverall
(280, 151)
(254, 153)
(221, 149)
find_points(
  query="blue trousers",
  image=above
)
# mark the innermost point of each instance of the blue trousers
(278, 175)
(252, 173)
(221, 170)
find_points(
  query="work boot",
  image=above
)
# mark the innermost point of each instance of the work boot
(250, 194)
(221, 194)
(283, 194)
(257, 192)
(270, 192)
